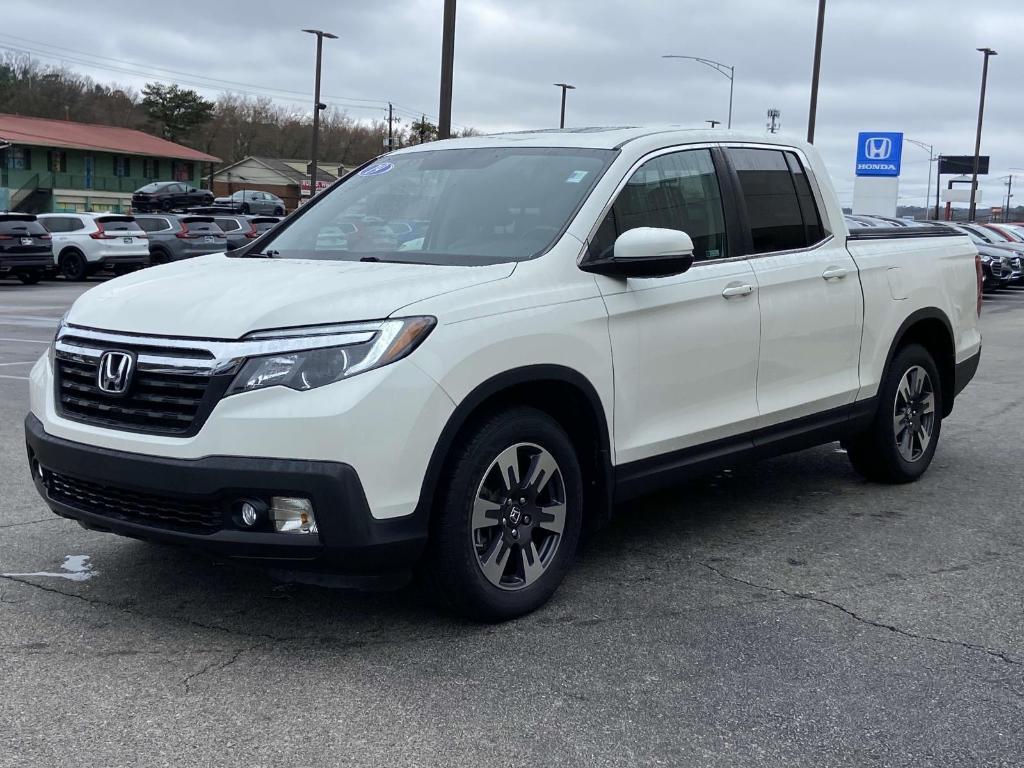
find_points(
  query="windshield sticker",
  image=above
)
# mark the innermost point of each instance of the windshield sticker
(576, 177)
(378, 169)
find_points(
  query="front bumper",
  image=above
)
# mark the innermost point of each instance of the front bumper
(350, 539)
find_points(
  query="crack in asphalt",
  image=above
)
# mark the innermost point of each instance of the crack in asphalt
(130, 612)
(217, 666)
(863, 620)
(51, 519)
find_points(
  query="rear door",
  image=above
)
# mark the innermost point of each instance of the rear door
(123, 234)
(684, 347)
(808, 289)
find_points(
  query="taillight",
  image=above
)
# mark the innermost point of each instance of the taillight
(6, 237)
(981, 279)
(44, 237)
(184, 234)
(99, 234)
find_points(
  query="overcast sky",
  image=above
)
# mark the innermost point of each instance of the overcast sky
(906, 65)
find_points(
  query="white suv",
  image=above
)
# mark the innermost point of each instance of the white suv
(513, 333)
(86, 243)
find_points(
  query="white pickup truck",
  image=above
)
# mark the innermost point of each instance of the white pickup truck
(465, 352)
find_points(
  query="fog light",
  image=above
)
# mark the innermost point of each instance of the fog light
(292, 515)
(249, 513)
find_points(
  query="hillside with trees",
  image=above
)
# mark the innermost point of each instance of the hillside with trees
(231, 127)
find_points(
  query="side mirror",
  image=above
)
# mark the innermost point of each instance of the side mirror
(646, 252)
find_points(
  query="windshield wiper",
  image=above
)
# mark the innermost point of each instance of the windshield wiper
(259, 255)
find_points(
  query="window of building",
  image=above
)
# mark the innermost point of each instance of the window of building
(674, 191)
(57, 161)
(122, 166)
(150, 167)
(182, 171)
(19, 158)
(774, 209)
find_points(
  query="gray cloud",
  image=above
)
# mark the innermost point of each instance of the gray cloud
(908, 65)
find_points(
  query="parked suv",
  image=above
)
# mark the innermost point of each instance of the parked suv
(173, 237)
(586, 316)
(26, 251)
(242, 230)
(252, 201)
(169, 195)
(87, 243)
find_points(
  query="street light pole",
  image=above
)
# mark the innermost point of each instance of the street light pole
(977, 140)
(565, 87)
(931, 159)
(813, 113)
(444, 119)
(722, 69)
(317, 106)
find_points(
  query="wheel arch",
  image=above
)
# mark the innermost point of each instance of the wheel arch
(930, 327)
(562, 393)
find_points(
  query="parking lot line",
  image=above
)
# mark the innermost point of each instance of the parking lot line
(23, 378)
(27, 362)
(27, 341)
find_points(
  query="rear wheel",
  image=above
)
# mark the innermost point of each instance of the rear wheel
(74, 266)
(30, 278)
(901, 441)
(507, 527)
(279, 211)
(158, 256)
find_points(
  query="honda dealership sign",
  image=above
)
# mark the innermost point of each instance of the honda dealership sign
(879, 154)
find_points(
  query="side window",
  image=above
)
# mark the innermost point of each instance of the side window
(74, 224)
(674, 191)
(773, 208)
(55, 223)
(805, 197)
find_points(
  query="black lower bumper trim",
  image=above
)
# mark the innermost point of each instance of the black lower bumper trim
(350, 540)
(965, 372)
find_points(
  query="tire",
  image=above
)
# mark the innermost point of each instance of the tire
(883, 454)
(158, 256)
(245, 209)
(484, 572)
(279, 211)
(74, 266)
(30, 278)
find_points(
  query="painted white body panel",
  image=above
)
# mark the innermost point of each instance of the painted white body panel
(95, 250)
(674, 363)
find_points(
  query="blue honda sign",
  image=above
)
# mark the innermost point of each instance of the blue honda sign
(879, 154)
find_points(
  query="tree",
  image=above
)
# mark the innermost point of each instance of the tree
(422, 130)
(178, 112)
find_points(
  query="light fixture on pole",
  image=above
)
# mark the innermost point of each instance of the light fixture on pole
(565, 87)
(317, 106)
(720, 68)
(1009, 194)
(977, 139)
(931, 159)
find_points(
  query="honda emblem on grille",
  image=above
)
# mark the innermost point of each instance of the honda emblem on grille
(115, 372)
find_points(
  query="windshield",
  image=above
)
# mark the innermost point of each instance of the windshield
(455, 207)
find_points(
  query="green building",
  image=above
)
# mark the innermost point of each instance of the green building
(58, 165)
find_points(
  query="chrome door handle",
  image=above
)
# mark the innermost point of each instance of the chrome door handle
(834, 273)
(737, 290)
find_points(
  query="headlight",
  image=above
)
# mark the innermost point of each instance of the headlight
(311, 368)
(51, 351)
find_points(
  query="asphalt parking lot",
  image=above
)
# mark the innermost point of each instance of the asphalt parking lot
(786, 613)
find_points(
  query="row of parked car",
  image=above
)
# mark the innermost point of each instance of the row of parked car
(82, 244)
(1000, 246)
(166, 196)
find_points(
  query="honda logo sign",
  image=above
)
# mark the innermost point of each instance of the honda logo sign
(115, 372)
(879, 154)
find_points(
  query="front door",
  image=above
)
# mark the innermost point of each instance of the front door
(684, 348)
(808, 289)
(88, 165)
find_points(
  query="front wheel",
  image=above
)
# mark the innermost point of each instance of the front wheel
(506, 529)
(901, 441)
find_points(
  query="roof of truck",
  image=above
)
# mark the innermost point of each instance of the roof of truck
(600, 138)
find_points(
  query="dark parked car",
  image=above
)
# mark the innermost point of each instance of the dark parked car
(252, 201)
(242, 230)
(173, 238)
(168, 195)
(26, 250)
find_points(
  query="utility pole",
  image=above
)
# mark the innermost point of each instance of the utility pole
(444, 120)
(977, 140)
(391, 115)
(317, 106)
(938, 183)
(931, 159)
(773, 120)
(423, 127)
(813, 114)
(565, 87)
(1009, 194)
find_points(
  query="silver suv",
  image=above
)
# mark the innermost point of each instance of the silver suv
(173, 237)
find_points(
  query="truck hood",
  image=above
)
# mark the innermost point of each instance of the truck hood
(220, 297)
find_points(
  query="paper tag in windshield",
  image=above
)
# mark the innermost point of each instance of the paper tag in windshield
(576, 177)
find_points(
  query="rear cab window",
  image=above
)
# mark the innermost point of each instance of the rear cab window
(202, 225)
(119, 224)
(11, 226)
(153, 225)
(228, 225)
